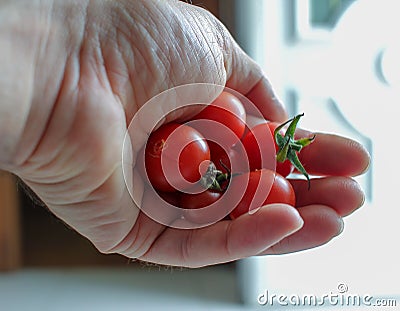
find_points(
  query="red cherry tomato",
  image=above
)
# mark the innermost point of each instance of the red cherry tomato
(195, 202)
(199, 200)
(257, 142)
(172, 198)
(229, 117)
(260, 148)
(231, 161)
(175, 152)
(256, 194)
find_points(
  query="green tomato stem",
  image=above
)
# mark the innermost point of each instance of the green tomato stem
(289, 147)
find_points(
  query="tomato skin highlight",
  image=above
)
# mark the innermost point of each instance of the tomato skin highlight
(280, 191)
(252, 147)
(260, 148)
(162, 157)
(226, 111)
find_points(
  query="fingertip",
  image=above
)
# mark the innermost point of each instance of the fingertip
(334, 155)
(322, 224)
(340, 225)
(289, 216)
(342, 194)
(365, 157)
(251, 234)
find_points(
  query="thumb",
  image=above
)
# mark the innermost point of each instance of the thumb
(246, 76)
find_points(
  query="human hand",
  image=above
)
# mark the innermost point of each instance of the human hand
(93, 66)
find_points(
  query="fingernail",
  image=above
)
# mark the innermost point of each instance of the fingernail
(254, 210)
(363, 199)
(341, 224)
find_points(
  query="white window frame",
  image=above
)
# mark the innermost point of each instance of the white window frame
(282, 47)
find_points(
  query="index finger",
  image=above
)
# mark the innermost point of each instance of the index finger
(333, 155)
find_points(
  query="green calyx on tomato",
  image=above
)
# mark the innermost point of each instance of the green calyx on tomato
(289, 147)
(213, 179)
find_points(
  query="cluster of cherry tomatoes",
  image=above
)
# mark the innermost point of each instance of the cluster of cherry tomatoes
(217, 153)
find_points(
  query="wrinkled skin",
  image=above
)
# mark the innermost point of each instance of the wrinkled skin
(76, 73)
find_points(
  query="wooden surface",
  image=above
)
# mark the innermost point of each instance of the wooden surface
(10, 245)
(48, 242)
